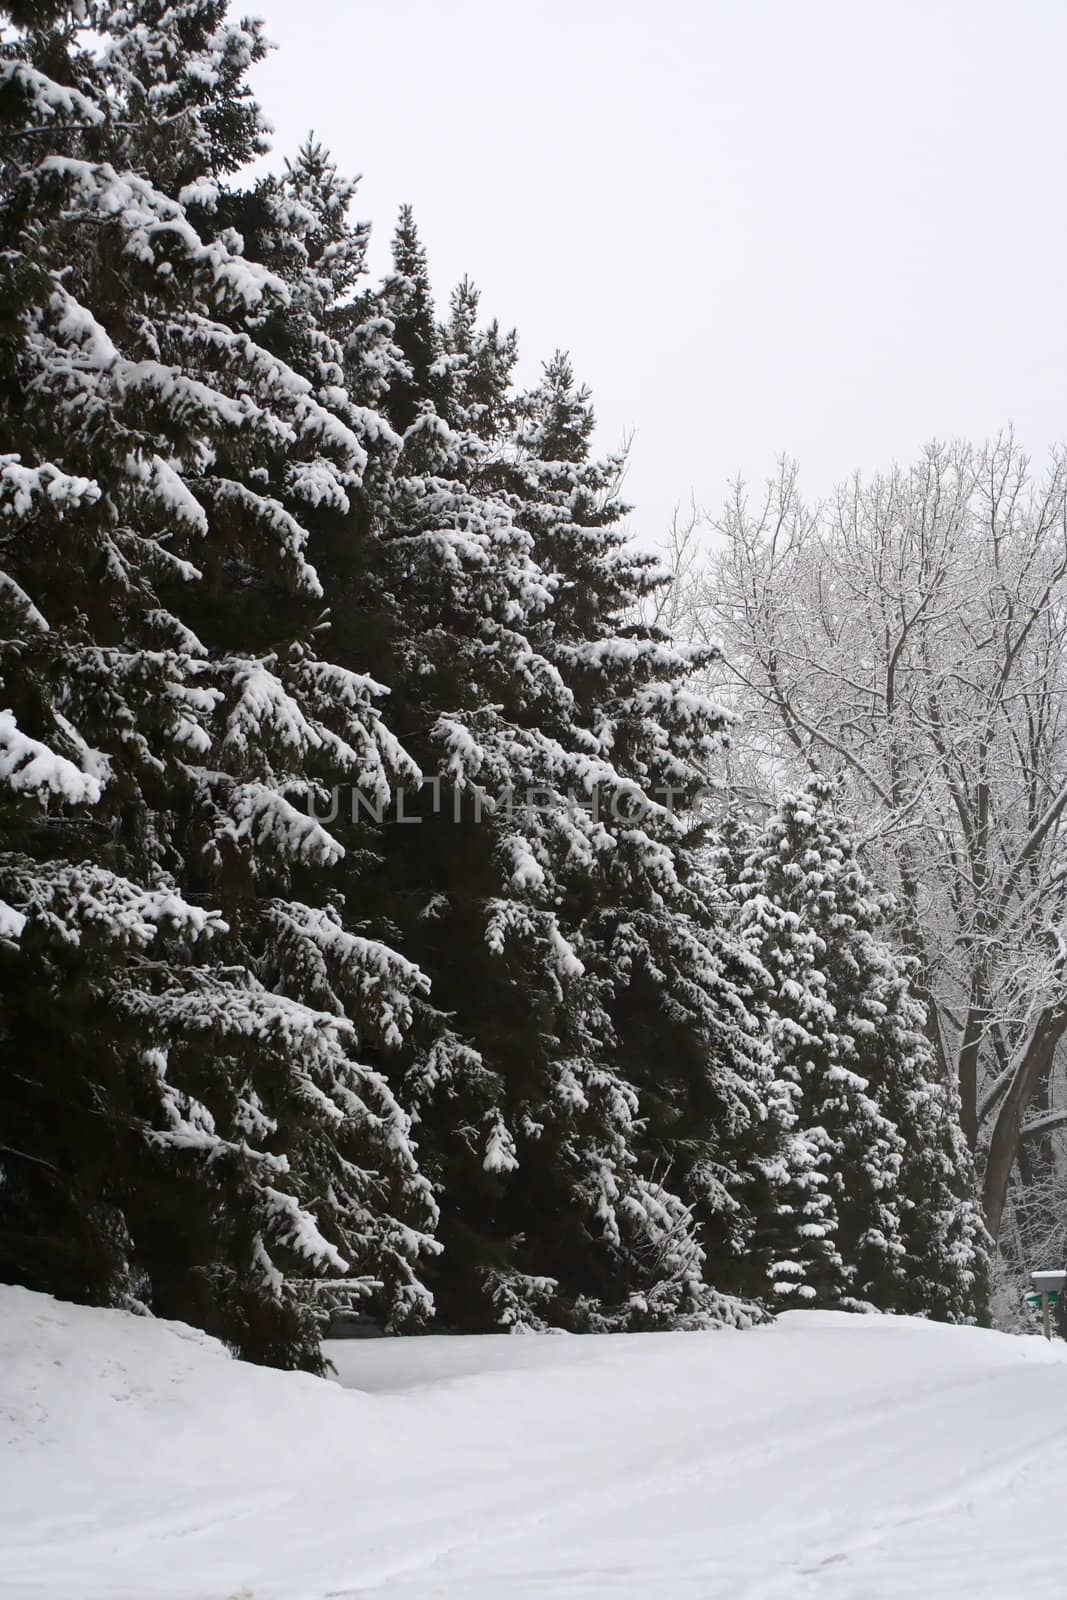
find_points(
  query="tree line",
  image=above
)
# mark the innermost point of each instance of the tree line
(379, 923)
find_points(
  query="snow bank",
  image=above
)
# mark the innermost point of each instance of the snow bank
(827, 1456)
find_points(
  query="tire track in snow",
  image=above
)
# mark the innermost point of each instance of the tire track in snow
(661, 1479)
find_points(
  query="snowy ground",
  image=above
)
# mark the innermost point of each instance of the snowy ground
(844, 1458)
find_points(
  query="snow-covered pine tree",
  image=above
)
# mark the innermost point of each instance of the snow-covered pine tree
(421, 579)
(947, 1249)
(838, 1230)
(565, 936)
(419, 380)
(188, 1117)
(480, 363)
(454, 592)
(879, 1201)
(656, 926)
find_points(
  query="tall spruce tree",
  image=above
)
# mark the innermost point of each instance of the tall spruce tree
(544, 890)
(188, 1120)
(679, 985)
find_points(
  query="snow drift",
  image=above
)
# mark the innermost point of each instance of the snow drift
(827, 1455)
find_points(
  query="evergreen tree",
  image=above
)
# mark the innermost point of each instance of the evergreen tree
(479, 363)
(876, 1204)
(420, 378)
(583, 1177)
(189, 1119)
(680, 986)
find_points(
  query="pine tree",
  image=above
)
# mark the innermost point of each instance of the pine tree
(189, 1122)
(876, 1204)
(656, 925)
(420, 379)
(945, 1265)
(475, 909)
(545, 890)
(480, 363)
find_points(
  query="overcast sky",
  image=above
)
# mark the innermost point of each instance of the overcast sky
(823, 227)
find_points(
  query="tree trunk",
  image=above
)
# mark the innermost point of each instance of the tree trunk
(968, 1065)
(1034, 1060)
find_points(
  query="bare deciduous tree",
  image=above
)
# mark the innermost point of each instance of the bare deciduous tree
(910, 636)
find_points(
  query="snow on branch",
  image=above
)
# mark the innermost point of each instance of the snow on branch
(29, 767)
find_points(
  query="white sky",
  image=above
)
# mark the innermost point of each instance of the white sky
(830, 227)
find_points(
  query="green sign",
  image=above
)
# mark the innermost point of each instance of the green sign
(1053, 1298)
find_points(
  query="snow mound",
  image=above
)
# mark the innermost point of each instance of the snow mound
(827, 1456)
